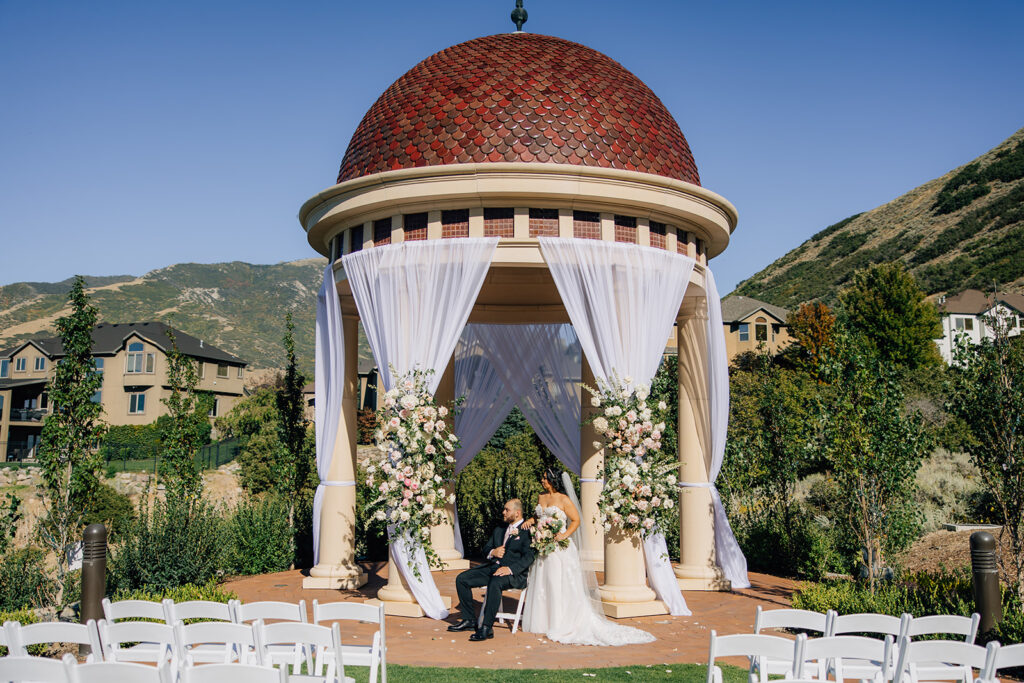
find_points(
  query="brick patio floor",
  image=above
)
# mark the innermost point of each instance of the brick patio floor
(425, 642)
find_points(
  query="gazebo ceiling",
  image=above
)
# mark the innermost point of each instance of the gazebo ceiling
(519, 97)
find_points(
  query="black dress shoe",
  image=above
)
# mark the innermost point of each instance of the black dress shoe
(482, 634)
(462, 625)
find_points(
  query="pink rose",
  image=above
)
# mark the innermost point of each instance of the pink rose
(407, 494)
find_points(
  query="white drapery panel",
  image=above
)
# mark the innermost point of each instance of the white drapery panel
(727, 550)
(330, 383)
(414, 299)
(623, 300)
(540, 366)
(486, 405)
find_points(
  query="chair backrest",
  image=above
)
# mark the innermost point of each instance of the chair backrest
(230, 635)
(1008, 656)
(945, 624)
(34, 669)
(196, 609)
(752, 645)
(793, 619)
(882, 624)
(113, 635)
(325, 642)
(21, 637)
(116, 672)
(233, 673)
(949, 652)
(269, 609)
(353, 611)
(132, 609)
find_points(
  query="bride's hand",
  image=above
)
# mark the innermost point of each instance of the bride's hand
(561, 537)
(528, 523)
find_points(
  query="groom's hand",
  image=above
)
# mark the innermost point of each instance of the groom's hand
(503, 571)
(498, 552)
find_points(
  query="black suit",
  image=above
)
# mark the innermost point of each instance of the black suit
(518, 557)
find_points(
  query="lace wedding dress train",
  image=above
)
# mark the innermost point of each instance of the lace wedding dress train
(558, 604)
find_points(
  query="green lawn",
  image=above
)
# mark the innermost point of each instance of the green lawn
(691, 673)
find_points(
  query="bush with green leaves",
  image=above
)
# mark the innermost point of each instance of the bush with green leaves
(131, 442)
(171, 543)
(25, 580)
(189, 591)
(259, 539)
(23, 617)
(110, 508)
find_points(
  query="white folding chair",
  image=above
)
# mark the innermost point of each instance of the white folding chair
(880, 624)
(865, 659)
(795, 619)
(373, 655)
(751, 645)
(1006, 657)
(232, 673)
(310, 644)
(514, 617)
(945, 624)
(944, 660)
(268, 610)
(116, 672)
(132, 609)
(151, 642)
(210, 642)
(19, 638)
(32, 670)
(207, 610)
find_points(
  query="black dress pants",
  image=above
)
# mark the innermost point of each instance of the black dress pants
(474, 578)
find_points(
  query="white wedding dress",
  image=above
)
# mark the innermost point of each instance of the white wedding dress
(558, 603)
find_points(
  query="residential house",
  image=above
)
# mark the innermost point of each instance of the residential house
(750, 323)
(132, 357)
(969, 315)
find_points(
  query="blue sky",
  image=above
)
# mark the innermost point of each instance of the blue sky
(135, 135)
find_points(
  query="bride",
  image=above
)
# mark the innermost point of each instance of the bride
(562, 600)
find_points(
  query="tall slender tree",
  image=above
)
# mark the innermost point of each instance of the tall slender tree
(293, 427)
(188, 410)
(67, 453)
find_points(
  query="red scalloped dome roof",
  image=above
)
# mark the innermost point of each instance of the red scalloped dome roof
(519, 97)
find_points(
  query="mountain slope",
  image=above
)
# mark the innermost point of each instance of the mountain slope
(963, 230)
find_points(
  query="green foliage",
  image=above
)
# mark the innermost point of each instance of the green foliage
(23, 617)
(25, 581)
(110, 508)
(70, 467)
(805, 549)
(10, 515)
(174, 542)
(835, 227)
(843, 244)
(187, 410)
(183, 593)
(371, 534)
(294, 470)
(254, 421)
(873, 448)
(131, 442)
(259, 538)
(885, 307)
(950, 202)
(665, 387)
(986, 392)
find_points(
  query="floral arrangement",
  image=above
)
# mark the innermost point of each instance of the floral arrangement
(414, 463)
(546, 529)
(639, 480)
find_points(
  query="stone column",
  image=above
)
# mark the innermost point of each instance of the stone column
(592, 532)
(443, 535)
(697, 569)
(337, 567)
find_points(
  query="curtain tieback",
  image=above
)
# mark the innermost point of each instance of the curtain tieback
(695, 485)
(592, 481)
(324, 482)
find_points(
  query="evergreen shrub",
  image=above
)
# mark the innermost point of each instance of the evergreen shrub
(258, 537)
(25, 581)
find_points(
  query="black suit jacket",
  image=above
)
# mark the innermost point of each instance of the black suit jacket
(518, 553)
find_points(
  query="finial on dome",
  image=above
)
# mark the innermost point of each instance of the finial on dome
(519, 16)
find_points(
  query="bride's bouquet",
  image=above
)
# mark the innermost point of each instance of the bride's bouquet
(639, 479)
(413, 464)
(544, 532)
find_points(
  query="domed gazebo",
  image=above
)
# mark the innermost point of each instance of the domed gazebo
(510, 169)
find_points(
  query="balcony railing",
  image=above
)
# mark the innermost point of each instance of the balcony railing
(28, 414)
(18, 450)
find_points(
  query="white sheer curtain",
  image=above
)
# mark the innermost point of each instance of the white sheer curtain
(540, 365)
(623, 300)
(487, 403)
(727, 550)
(414, 299)
(330, 382)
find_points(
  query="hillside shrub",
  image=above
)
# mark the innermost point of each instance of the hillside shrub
(23, 617)
(110, 508)
(948, 202)
(170, 544)
(131, 442)
(25, 581)
(258, 537)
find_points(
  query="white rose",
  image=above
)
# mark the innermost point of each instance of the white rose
(660, 427)
(662, 405)
(595, 401)
(627, 480)
(404, 516)
(428, 508)
(610, 411)
(671, 479)
(601, 424)
(442, 411)
(597, 445)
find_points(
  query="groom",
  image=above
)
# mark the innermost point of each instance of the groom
(509, 556)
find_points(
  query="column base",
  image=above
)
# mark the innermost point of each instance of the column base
(625, 610)
(405, 609)
(333, 577)
(691, 578)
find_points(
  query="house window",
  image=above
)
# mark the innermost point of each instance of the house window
(761, 332)
(202, 369)
(965, 324)
(658, 232)
(625, 229)
(543, 222)
(222, 371)
(240, 370)
(382, 231)
(356, 240)
(415, 226)
(744, 331)
(455, 223)
(97, 363)
(139, 362)
(586, 225)
(5, 368)
(136, 404)
(214, 408)
(40, 363)
(19, 365)
(498, 222)
(97, 397)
